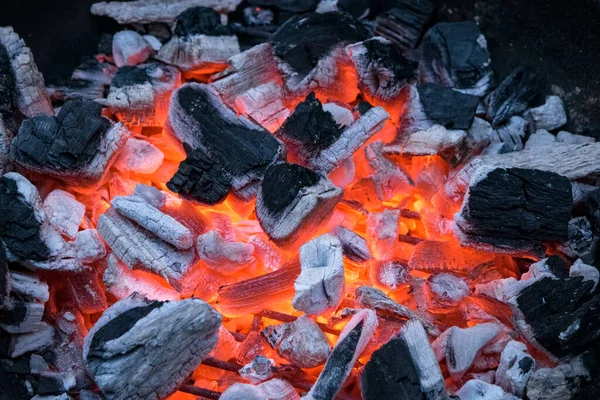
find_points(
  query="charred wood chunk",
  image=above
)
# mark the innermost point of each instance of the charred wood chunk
(562, 314)
(64, 212)
(21, 84)
(382, 69)
(513, 96)
(447, 107)
(403, 23)
(354, 246)
(37, 340)
(96, 70)
(130, 48)
(292, 200)
(515, 209)
(21, 316)
(582, 243)
(199, 42)
(455, 55)
(515, 369)
(564, 381)
(6, 138)
(549, 116)
(242, 149)
(305, 39)
(126, 335)
(223, 256)
(591, 205)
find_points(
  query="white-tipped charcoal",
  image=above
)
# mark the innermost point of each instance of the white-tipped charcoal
(64, 212)
(549, 116)
(130, 48)
(223, 256)
(515, 369)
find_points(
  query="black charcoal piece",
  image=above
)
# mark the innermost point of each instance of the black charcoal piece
(283, 182)
(19, 227)
(296, 6)
(7, 82)
(591, 205)
(4, 277)
(454, 54)
(515, 209)
(200, 21)
(403, 23)
(129, 76)
(93, 69)
(513, 96)
(563, 317)
(356, 8)
(304, 39)
(16, 382)
(309, 129)
(363, 106)
(447, 107)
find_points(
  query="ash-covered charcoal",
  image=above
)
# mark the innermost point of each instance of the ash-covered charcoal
(5, 140)
(509, 136)
(561, 314)
(309, 46)
(390, 274)
(476, 389)
(570, 138)
(38, 340)
(382, 233)
(354, 246)
(354, 338)
(275, 389)
(140, 157)
(223, 256)
(301, 342)
(149, 11)
(76, 90)
(514, 209)
(140, 95)
(447, 107)
(515, 369)
(29, 285)
(375, 299)
(64, 212)
(561, 382)
(513, 96)
(21, 316)
(581, 242)
(455, 55)
(294, 200)
(389, 177)
(320, 285)
(448, 288)
(460, 346)
(130, 48)
(55, 382)
(549, 116)
(89, 247)
(265, 105)
(133, 338)
(382, 69)
(21, 84)
(199, 42)
(404, 368)
(77, 146)
(258, 370)
(5, 284)
(242, 149)
(95, 69)
(403, 23)
(540, 138)
(589, 273)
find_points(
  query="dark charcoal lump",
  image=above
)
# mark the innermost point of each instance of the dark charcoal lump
(454, 48)
(15, 315)
(391, 374)
(16, 382)
(403, 21)
(19, 229)
(8, 88)
(591, 204)
(356, 8)
(310, 126)
(200, 21)
(562, 314)
(388, 57)
(363, 106)
(4, 276)
(447, 107)
(63, 143)
(517, 209)
(513, 96)
(201, 178)
(282, 183)
(129, 76)
(296, 6)
(558, 267)
(304, 39)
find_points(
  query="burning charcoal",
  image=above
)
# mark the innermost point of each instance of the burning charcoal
(264, 104)
(266, 252)
(476, 389)
(121, 282)
(537, 202)
(243, 391)
(549, 116)
(513, 96)
(275, 389)
(447, 107)
(139, 248)
(540, 138)
(460, 346)
(95, 69)
(389, 177)
(259, 370)
(149, 11)
(588, 272)
(390, 273)
(127, 335)
(455, 55)
(403, 368)
(320, 285)
(403, 24)
(199, 42)
(382, 233)
(515, 369)
(355, 337)
(139, 156)
(377, 300)
(341, 113)
(294, 200)
(561, 382)
(21, 316)
(151, 195)
(89, 246)
(223, 256)
(56, 382)
(581, 242)
(78, 145)
(511, 134)
(309, 47)
(382, 68)
(87, 291)
(33, 341)
(22, 84)
(130, 48)
(140, 95)
(301, 342)
(449, 288)
(64, 212)
(354, 246)
(569, 138)
(237, 150)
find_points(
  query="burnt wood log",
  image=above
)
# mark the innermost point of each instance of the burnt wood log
(141, 349)
(447, 107)
(403, 23)
(512, 210)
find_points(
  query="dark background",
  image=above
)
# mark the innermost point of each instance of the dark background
(560, 39)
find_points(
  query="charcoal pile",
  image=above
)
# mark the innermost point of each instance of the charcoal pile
(274, 199)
